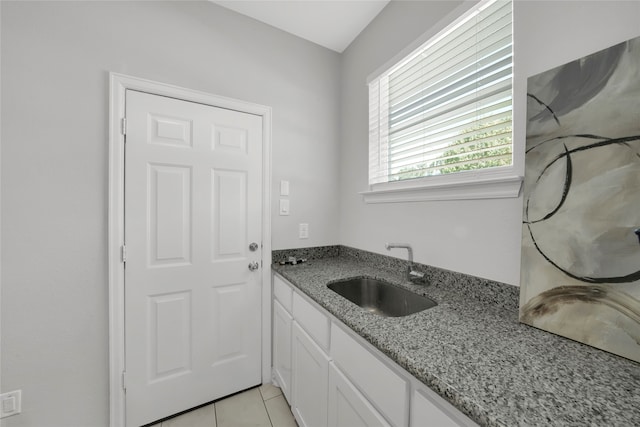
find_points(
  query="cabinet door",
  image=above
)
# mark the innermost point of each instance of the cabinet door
(282, 348)
(310, 371)
(383, 386)
(428, 409)
(347, 406)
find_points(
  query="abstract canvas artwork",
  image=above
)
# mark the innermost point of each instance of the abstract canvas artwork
(581, 205)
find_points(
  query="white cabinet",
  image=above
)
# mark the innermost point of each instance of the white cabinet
(430, 410)
(310, 367)
(332, 377)
(282, 322)
(347, 406)
(385, 388)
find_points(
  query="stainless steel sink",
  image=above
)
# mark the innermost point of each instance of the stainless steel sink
(381, 298)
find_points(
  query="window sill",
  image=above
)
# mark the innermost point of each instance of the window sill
(471, 188)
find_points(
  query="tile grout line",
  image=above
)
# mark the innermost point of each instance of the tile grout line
(265, 407)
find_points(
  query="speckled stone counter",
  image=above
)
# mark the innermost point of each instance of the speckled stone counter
(472, 350)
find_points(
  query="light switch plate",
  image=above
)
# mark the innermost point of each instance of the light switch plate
(11, 403)
(284, 188)
(284, 207)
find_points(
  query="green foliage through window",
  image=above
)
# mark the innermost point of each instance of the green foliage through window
(493, 149)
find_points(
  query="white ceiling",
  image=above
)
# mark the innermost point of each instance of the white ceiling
(330, 23)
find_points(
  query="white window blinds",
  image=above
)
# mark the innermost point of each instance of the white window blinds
(446, 108)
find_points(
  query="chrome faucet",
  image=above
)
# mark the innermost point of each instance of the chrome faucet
(412, 275)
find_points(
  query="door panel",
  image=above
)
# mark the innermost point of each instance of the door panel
(169, 335)
(229, 214)
(227, 325)
(174, 131)
(193, 196)
(230, 139)
(169, 214)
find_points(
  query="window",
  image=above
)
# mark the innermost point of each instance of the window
(445, 109)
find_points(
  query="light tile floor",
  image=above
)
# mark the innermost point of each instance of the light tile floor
(262, 406)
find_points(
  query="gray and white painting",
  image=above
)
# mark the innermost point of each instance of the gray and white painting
(581, 220)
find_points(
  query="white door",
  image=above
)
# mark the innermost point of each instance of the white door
(193, 202)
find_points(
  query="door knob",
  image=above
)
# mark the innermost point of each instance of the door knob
(253, 266)
(253, 247)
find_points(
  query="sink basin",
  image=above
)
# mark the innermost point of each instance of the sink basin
(381, 298)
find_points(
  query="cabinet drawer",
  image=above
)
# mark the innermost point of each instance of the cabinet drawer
(312, 320)
(384, 388)
(283, 292)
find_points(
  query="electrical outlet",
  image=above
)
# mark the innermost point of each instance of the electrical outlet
(11, 403)
(303, 230)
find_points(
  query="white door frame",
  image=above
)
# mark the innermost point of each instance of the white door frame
(119, 83)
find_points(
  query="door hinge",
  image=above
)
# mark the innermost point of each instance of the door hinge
(123, 128)
(124, 380)
(124, 253)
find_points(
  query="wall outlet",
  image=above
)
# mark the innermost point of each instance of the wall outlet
(303, 230)
(10, 403)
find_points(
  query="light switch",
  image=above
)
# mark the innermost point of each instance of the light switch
(284, 188)
(284, 207)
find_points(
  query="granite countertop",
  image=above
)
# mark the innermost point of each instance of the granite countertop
(473, 351)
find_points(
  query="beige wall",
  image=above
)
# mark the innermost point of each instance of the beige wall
(56, 57)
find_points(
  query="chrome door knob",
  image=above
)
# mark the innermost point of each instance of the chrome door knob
(253, 266)
(253, 247)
